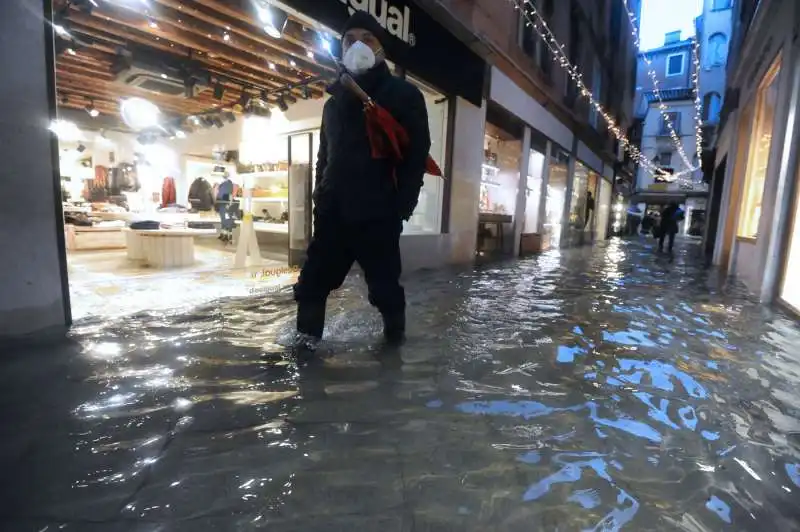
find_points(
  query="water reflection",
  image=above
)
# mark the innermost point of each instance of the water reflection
(586, 389)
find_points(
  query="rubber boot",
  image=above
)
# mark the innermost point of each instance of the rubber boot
(394, 327)
(310, 324)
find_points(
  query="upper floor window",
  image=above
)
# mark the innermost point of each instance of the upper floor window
(665, 159)
(529, 40)
(712, 105)
(674, 118)
(717, 50)
(721, 4)
(675, 64)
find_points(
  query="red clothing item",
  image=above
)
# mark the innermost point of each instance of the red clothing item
(168, 195)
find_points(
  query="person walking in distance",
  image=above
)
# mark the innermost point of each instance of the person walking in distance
(360, 202)
(671, 216)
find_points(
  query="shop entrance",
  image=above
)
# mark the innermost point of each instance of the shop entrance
(187, 140)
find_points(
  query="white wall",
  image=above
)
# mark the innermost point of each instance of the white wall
(505, 92)
(31, 283)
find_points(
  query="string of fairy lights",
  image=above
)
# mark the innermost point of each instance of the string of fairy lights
(662, 107)
(536, 21)
(698, 103)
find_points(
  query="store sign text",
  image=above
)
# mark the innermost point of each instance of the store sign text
(394, 20)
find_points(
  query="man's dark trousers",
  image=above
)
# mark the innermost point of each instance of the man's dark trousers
(336, 244)
(666, 235)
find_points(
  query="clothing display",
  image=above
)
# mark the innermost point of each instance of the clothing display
(200, 225)
(168, 196)
(148, 225)
(201, 197)
(345, 163)
(174, 208)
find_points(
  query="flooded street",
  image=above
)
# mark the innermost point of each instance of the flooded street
(590, 389)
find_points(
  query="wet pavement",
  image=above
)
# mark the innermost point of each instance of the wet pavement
(593, 389)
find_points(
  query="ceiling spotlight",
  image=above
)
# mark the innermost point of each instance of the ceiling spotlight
(218, 122)
(241, 105)
(60, 30)
(219, 90)
(208, 121)
(194, 120)
(93, 112)
(71, 51)
(230, 117)
(282, 104)
(138, 113)
(272, 66)
(326, 45)
(264, 97)
(274, 21)
(310, 54)
(180, 134)
(226, 37)
(292, 63)
(153, 25)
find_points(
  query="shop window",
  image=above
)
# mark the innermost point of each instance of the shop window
(665, 158)
(427, 217)
(556, 194)
(580, 187)
(760, 142)
(530, 41)
(675, 64)
(717, 50)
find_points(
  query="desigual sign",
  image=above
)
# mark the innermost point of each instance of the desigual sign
(396, 21)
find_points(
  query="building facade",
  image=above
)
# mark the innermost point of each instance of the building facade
(756, 163)
(539, 124)
(528, 163)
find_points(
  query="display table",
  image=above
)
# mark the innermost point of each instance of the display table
(498, 220)
(85, 238)
(164, 248)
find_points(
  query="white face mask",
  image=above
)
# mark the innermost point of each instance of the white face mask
(359, 58)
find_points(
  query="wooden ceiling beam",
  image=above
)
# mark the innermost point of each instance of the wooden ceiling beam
(94, 27)
(205, 44)
(277, 48)
(234, 14)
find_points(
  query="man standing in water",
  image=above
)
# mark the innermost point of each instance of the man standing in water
(358, 208)
(671, 216)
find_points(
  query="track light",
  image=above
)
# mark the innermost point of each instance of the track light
(219, 91)
(264, 96)
(93, 112)
(282, 104)
(306, 92)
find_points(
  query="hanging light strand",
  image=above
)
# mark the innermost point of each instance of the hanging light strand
(534, 19)
(698, 104)
(662, 107)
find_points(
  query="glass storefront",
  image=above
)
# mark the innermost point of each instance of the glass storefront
(759, 142)
(556, 195)
(427, 216)
(534, 192)
(603, 209)
(498, 189)
(578, 201)
(790, 288)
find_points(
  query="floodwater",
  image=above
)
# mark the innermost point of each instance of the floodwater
(595, 389)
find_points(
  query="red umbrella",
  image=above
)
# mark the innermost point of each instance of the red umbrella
(387, 138)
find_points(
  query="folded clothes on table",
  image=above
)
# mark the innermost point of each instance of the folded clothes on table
(148, 225)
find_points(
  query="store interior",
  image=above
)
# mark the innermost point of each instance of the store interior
(184, 128)
(188, 133)
(498, 190)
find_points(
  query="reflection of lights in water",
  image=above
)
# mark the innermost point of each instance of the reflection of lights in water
(105, 350)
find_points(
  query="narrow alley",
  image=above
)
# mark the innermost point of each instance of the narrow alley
(602, 388)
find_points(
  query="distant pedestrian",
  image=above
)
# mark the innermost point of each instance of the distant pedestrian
(671, 216)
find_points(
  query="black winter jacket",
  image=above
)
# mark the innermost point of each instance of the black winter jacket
(350, 183)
